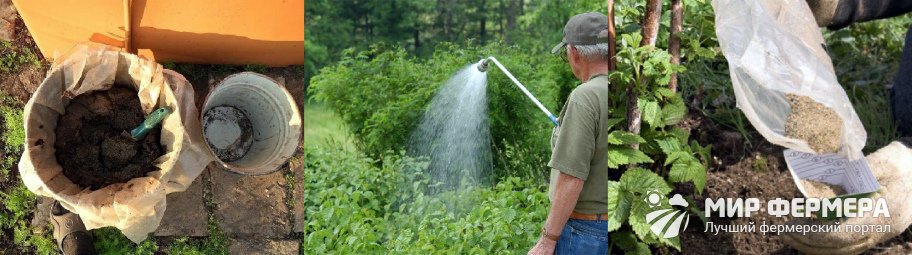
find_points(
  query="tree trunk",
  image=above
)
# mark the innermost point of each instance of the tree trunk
(674, 40)
(650, 23)
(500, 19)
(484, 18)
(512, 14)
(612, 36)
(483, 31)
(650, 31)
(416, 36)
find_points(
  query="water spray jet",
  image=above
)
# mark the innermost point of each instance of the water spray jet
(483, 66)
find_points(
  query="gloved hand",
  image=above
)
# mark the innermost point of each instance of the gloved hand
(892, 166)
(824, 11)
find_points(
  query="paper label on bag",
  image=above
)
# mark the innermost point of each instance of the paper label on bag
(855, 176)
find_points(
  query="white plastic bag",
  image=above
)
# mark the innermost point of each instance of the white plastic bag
(135, 207)
(773, 48)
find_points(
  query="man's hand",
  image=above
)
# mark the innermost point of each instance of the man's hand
(544, 246)
(566, 192)
(892, 166)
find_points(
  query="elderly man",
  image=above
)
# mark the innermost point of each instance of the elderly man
(576, 222)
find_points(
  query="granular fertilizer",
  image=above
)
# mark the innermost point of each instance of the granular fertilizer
(821, 189)
(814, 123)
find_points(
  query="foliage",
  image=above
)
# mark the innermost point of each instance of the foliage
(381, 96)
(18, 205)
(17, 202)
(13, 137)
(13, 57)
(373, 210)
(421, 26)
(648, 71)
(866, 56)
(216, 243)
(111, 241)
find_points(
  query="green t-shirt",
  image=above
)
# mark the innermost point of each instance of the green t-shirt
(579, 146)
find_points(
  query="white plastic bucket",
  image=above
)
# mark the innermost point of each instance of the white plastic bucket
(274, 118)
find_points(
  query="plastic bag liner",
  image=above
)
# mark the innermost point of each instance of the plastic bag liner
(774, 47)
(135, 207)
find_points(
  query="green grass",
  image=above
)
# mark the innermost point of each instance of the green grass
(322, 126)
(873, 108)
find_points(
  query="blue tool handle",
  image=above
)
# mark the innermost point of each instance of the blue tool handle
(553, 120)
(156, 117)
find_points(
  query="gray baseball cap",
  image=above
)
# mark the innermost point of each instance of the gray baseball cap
(589, 28)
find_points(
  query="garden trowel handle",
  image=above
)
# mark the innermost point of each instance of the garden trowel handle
(156, 117)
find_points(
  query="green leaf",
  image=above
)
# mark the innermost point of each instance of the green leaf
(675, 156)
(674, 112)
(703, 151)
(638, 181)
(622, 155)
(669, 145)
(618, 206)
(628, 242)
(650, 112)
(679, 133)
(635, 184)
(620, 137)
(614, 121)
(688, 169)
(662, 93)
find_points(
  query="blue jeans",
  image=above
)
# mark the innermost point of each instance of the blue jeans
(583, 237)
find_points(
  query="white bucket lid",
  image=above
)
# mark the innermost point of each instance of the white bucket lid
(275, 119)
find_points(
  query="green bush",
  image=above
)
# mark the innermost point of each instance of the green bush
(381, 94)
(365, 209)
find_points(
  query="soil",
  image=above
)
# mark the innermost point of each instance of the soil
(94, 147)
(821, 189)
(815, 123)
(21, 83)
(747, 167)
(228, 132)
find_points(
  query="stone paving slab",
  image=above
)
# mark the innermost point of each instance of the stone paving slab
(186, 213)
(265, 246)
(250, 206)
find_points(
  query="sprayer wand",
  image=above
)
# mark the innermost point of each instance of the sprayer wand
(483, 67)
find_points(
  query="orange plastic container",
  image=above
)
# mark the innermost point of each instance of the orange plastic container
(267, 32)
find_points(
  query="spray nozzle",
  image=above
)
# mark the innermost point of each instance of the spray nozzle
(483, 65)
